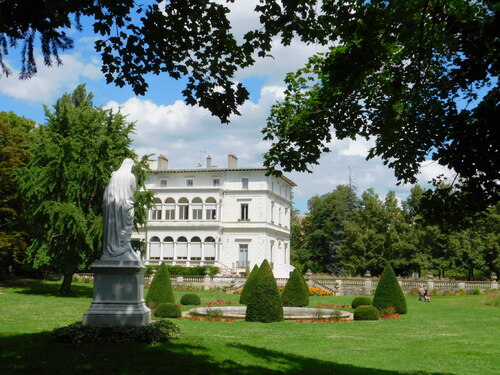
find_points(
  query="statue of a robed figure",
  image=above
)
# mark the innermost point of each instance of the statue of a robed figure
(119, 273)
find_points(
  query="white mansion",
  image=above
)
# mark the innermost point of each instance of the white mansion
(231, 217)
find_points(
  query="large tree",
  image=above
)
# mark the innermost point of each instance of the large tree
(15, 133)
(73, 156)
(419, 78)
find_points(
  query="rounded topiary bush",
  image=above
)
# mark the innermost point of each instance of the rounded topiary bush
(389, 292)
(365, 312)
(361, 301)
(248, 285)
(296, 293)
(264, 301)
(161, 290)
(190, 299)
(168, 310)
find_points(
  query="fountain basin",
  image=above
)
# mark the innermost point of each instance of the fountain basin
(290, 313)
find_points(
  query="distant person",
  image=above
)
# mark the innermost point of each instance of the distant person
(421, 292)
(426, 296)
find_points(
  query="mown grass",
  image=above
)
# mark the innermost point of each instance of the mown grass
(451, 335)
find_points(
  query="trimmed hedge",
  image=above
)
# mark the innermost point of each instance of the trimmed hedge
(296, 293)
(361, 301)
(161, 290)
(264, 301)
(190, 299)
(248, 285)
(185, 271)
(366, 313)
(389, 292)
(168, 310)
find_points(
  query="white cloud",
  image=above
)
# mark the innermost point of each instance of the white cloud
(50, 82)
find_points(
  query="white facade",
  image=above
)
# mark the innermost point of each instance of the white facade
(231, 217)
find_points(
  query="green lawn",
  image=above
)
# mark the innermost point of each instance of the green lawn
(451, 335)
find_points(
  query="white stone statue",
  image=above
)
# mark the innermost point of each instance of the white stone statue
(118, 220)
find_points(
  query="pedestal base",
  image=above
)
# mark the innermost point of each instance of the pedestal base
(118, 295)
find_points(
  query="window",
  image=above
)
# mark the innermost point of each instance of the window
(154, 248)
(211, 208)
(216, 182)
(168, 248)
(244, 183)
(183, 209)
(244, 212)
(243, 256)
(169, 209)
(189, 182)
(163, 182)
(195, 253)
(182, 248)
(209, 248)
(156, 210)
(197, 206)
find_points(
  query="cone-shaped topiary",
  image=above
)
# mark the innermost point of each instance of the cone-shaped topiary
(389, 292)
(161, 290)
(264, 301)
(248, 285)
(296, 293)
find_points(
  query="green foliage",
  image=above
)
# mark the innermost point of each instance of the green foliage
(73, 155)
(249, 284)
(186, 271)
(15, 138)
(160, 290)
(264, 302)
(190, 299)
(361, 301)
(389, 292)
(160, 331)
(167, 310)
(366, 313)
(296, 292)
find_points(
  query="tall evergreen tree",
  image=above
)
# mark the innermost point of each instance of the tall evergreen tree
(73, 156)
(389, 293)
(247, 288)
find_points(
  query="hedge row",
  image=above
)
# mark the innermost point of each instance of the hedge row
(185, 271)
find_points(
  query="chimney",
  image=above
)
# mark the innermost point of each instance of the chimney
(209, 161)
(162, 162)
(232, 161)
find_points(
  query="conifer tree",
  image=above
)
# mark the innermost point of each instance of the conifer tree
(248, 285)
(389, 292)
(264, 302)
(161, 290)
(296, 292)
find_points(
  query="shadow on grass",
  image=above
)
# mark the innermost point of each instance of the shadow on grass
(39, 287)
(36, 354)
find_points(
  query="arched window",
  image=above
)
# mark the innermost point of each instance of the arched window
(154, 248)
(169, 209)
(211, 208)
(183, 209)
(182, 249)
(209, 248)
(168, 248)
(197, 207)
(195, 253)
(156, 210)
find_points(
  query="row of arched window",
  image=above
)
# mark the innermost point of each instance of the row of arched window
(182, 249)
(183, 209)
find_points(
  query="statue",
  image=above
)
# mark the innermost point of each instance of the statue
(118, 205)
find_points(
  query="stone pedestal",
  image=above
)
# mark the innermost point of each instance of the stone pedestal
(118, 294)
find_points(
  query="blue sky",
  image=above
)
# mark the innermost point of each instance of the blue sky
(164, 124)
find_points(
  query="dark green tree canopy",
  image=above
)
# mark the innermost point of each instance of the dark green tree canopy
(420, 78)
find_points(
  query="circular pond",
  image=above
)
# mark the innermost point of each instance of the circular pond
(290, 313)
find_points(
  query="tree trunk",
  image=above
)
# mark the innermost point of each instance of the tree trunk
(66, 284)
